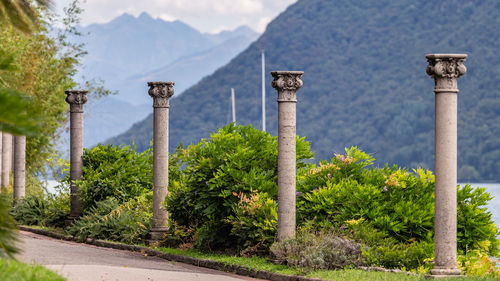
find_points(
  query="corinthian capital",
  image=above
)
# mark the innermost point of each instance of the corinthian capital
(445, 70)
(161, 92)
(76, 99)
(287, 83)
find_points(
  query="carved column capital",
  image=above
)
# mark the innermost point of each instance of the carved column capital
(287, 83)
(445, 70)
(76, 99)
(161, 92)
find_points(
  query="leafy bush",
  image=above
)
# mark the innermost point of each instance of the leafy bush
(8, 236)
(42, 209)
(392, 200)
(380, 249)
(128, 222)
(476, 230)
(477, 263)
(114, 172)
(325, 249)
(254, 223)
(236, 159)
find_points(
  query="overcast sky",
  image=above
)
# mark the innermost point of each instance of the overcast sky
(205, 15)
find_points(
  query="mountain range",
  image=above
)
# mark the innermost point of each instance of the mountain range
(129, 51)
(365, 83)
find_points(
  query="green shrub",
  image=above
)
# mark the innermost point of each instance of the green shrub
(114, 172)
(380, 249)
(254, 223)
(477, 263)
(42, 209)
(8, 237)
(393, 201)
(324, 249)
(476, 229)
(128, 222)
(236, 159)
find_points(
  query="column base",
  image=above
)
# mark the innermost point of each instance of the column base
(445, 273)
(156, 235)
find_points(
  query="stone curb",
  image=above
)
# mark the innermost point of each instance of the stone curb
(237, 269)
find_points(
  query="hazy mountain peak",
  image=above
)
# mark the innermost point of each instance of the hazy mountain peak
(144, 16)
(123, 18)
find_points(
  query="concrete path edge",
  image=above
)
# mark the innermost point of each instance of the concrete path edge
(236, 269)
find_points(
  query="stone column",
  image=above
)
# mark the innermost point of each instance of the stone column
(286, 83)
(161, 92)
(19, 167)
(445, 70)
(76, 100)
(1, 145)
(6, 158)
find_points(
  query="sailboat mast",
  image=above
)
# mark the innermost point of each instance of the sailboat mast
(233, 106)
(263, 92)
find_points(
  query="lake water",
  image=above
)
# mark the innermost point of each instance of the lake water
(492, 188)
(494, 204)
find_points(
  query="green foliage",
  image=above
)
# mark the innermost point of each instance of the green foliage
(379, 249)
(128, 222)
(321, 250)
(255, 222)
(114, 172)
(235, 160)
(8, 237)
(476, 229)
(394, 204)
(477, 263)
(42, 209)
(43, 69)
(12, 270)
(392, 200)
(22, 14)
(18, 114)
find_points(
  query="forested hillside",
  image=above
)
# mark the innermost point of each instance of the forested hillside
(364, 83)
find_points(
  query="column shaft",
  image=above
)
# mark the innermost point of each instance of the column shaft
(76, 162)
(160, 170)
(446, 180)
(6, 158)
(19, 167)
(1, 152)
(286, 169)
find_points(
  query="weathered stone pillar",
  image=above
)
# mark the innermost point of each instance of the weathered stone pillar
(6, 158)
(445, 70)
(76, 100)
(286, 83)
(19, 167)
(161, 92)
(1, 145)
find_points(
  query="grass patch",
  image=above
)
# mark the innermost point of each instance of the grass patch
(259, 263)
(12, 270)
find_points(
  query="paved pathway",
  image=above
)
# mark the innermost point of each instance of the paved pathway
(82, 262)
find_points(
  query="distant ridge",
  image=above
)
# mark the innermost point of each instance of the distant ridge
(128, 51)
(364, 83)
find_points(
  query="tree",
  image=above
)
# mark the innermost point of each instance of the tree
(21, 13)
